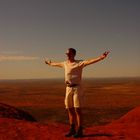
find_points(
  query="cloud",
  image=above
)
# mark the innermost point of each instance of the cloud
(17, 58)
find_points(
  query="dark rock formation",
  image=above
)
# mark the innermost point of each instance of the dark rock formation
(7, 111)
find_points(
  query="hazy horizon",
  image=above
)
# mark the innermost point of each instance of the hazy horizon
(62, 79)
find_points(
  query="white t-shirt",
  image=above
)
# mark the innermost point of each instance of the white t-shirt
(73, 71)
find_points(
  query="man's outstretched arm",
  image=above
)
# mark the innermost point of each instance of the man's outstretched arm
(94, 60)
(56, 64)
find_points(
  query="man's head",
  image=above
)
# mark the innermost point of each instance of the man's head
(71, 52)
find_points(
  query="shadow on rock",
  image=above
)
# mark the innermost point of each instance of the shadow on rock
(98, 135)
(7, 111)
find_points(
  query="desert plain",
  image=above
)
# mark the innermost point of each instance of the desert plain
(105, 99)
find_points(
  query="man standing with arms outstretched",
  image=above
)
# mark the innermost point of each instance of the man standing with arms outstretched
(73, 75)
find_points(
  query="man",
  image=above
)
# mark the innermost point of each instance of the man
(73, 102)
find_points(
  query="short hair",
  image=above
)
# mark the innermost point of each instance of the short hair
(72, 50)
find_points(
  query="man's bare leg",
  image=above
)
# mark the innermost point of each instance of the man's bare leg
(72, 117)
(79, 123)
(72, 121)
(78, 116)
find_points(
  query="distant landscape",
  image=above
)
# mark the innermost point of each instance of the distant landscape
(105, 99)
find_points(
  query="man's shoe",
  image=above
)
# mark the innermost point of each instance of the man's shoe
(70, 134)
(79, 133)
(72, 131)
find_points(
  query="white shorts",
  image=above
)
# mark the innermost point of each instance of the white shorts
(73, 97)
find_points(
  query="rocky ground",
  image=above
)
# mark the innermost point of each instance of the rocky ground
(24, 127)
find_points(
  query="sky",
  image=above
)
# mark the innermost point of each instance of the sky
(31, 30)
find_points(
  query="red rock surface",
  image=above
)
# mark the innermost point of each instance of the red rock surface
(126, 128)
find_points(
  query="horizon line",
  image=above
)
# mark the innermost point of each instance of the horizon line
(59, 78)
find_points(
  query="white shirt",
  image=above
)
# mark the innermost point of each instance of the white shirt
(73, 71)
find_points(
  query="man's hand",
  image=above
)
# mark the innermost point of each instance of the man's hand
(104, 55)
(48, 62)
